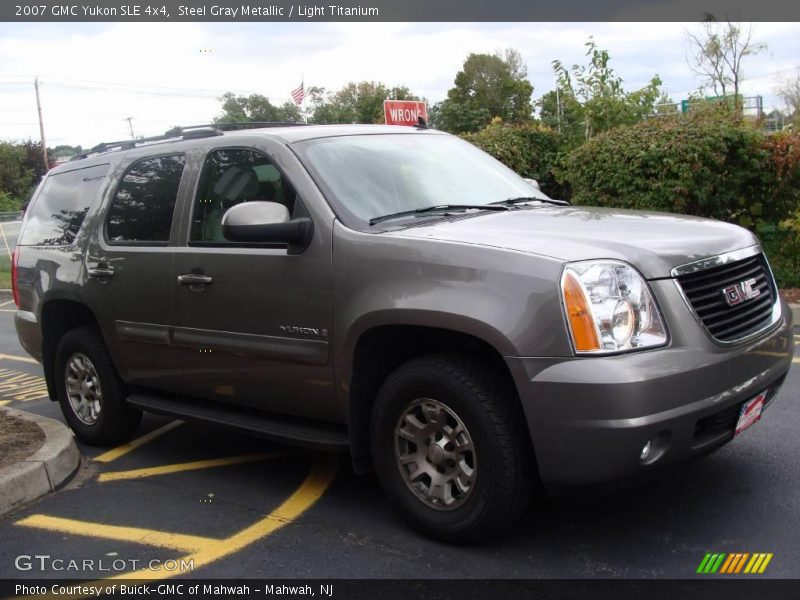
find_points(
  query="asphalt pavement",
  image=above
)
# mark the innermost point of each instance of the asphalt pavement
(186, 500)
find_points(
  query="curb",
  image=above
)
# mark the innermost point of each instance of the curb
(795, 308)
(43, 471)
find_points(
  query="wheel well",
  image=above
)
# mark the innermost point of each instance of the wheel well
(58, 317)
(381, 350)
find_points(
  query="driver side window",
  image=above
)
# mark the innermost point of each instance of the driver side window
(232, 176)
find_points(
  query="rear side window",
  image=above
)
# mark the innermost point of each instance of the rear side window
(142, 208)
(58, 211)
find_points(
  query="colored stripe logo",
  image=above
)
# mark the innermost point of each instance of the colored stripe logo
(734, 563)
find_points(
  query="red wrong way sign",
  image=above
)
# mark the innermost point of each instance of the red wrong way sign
(404, 112)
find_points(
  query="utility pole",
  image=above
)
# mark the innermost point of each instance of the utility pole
(41, 125)
(130, 125)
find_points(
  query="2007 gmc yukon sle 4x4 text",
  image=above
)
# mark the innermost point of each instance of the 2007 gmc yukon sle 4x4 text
(396, 293)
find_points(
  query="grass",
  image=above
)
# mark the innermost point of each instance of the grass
(5, 272)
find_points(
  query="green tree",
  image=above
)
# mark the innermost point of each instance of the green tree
(561, 112)
(64, 150)
(449, 116)
(255, 107)
(488, 86)
(8, 203)
(354, 103)
(34, 161)
(598, 90)
(16, 178)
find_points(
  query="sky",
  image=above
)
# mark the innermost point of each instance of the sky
(94, 76)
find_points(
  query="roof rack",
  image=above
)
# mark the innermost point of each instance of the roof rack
(232, 125)
(179, 132)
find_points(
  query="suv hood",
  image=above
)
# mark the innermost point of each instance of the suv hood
(653, 242)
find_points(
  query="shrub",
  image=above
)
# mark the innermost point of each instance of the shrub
(711, 165)
(708, 164)
(530, 149)
(8, 203)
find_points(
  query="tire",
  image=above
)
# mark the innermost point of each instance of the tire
(486, 489)
(97, 419)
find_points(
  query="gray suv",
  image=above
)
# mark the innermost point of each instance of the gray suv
(397, 294)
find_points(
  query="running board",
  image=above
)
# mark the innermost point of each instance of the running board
(289, 430)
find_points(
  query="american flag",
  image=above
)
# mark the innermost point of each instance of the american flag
(298, 95)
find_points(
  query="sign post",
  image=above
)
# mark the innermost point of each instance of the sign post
(404, 112)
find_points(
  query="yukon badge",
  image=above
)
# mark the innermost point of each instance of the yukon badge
(308, 331)
(740, 292)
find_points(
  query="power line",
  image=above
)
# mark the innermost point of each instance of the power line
(139, 85)
(150, 90)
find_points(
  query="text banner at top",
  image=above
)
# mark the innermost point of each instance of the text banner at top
(398, 10)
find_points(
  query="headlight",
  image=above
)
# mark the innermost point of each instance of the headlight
(610, 308)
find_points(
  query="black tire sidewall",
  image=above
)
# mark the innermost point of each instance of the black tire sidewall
(424, 380)
(116, 421)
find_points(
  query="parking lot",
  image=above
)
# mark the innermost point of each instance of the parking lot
(182, 495)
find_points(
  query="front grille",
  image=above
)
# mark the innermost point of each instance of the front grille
(704, 291)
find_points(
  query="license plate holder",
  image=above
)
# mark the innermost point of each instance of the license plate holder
(750, 412)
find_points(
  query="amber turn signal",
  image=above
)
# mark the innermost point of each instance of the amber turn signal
(581, 321)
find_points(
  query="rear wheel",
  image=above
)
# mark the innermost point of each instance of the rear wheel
(450, 449)
(91, 394)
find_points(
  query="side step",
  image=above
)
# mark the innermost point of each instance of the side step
(289, 430)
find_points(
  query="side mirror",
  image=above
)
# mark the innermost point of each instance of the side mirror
(534, 183)
(267, 223)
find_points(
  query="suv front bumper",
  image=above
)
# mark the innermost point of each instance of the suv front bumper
(589, 418)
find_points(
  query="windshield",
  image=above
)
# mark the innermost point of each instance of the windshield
(369, 176)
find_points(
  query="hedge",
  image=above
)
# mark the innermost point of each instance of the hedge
(530, 149)
(710, 164)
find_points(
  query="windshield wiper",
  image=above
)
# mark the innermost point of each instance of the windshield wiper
(522, 199)
(436, 208)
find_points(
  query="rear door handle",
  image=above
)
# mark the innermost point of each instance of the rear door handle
(100, 271)
(194, 279)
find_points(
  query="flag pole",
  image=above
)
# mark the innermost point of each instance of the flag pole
(303, 101)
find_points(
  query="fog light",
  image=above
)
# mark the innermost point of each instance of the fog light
(645, 453)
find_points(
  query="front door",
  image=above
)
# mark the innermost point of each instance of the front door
(252, 322)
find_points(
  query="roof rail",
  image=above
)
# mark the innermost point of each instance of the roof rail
(171, 135)
(179, 132)
(232, 125)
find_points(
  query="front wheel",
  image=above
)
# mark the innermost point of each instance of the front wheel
(450, 449)
(91, 394)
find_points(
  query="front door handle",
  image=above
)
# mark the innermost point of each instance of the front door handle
(194, 279)
(100, 271)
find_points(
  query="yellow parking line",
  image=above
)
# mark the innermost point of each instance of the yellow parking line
(160, 539)
(8, 310)
(796, 359)
(25, 359)
(122, 450)
(6, 303)
(189, 466)
(322, 474)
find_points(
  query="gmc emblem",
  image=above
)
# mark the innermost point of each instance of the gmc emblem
(740, 292)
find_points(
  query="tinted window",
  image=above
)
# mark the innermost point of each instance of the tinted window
(59, 209)
(143, 205)
(232, 176)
